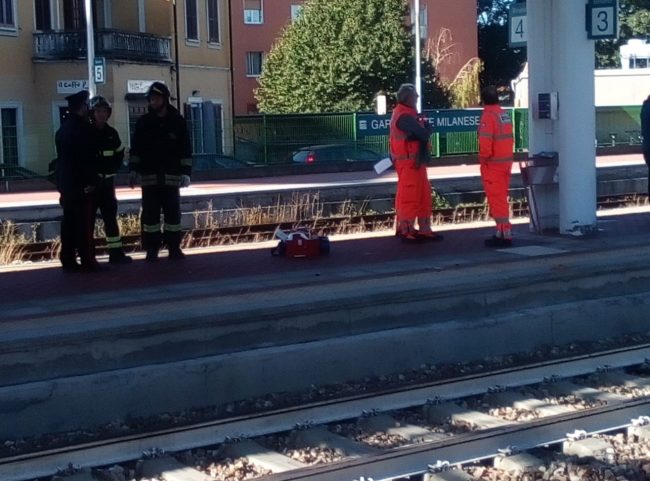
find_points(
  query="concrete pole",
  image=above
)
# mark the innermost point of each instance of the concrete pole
(574, 77)
(418, 54)
(90, 47)
(561, 59)
(540, 73)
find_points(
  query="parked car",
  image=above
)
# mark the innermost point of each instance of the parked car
(334, 153)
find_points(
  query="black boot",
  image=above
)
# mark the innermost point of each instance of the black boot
(151, 243)
(173, 242)
(495, 241)
(175, 253)
(117, 256)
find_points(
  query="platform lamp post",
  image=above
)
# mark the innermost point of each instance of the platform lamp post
(176, 61)
(90, 46)
(418, 53)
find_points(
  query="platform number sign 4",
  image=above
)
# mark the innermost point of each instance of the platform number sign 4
(518, 26)
(602, 19)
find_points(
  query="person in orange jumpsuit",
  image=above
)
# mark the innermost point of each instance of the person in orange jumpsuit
(496, 155)
(409, 150)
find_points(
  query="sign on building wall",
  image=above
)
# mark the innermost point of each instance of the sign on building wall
(71, 86)
(443, 121)
(139, 86)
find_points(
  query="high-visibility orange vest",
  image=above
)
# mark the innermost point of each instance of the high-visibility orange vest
(401, 147)
(495, 135)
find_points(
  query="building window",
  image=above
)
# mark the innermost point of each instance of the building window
(213, 21)
(7, 18)
(9, 136)
(191, 20)
(295, 12)
(253, 11)
(205, 125)
(73, 15)
(639, 62)
(42, 15)
(254, 63)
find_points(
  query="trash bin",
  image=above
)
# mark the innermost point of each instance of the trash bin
(539, 175)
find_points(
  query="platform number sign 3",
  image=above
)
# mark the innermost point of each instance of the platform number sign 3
(518, 26)
(602, 19)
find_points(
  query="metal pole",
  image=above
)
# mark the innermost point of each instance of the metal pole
(90, 46)
(176, 62)
(418, 52)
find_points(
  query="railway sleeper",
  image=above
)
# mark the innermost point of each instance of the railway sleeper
(458, 415)
(262, 457)
(568, 388)
(389, 425)
(454, 475)
(518, 463)
(526, 403)
(169, 469)
(321, 437)
(596, 448)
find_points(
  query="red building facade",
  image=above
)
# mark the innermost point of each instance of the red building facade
(256, 24)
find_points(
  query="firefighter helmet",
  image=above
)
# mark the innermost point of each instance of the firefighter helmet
(99, 101)
(158, 88)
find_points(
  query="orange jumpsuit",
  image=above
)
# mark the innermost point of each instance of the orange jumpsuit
(413, 198)
(495, 155)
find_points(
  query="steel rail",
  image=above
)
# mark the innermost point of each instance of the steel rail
(465, 448)
(44, 463)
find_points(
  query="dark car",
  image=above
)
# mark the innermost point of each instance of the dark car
(334, 153)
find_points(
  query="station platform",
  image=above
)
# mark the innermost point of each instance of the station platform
(234, 322)
(231, 323)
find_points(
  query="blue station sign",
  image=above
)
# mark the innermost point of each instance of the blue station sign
(443, 121)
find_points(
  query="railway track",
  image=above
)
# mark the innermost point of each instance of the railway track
(206, 237)
(416, 432)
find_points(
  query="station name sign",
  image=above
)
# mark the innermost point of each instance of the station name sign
(442, 121)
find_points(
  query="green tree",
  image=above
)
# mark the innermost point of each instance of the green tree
(634, 17)
(501, 63)
(337, 56)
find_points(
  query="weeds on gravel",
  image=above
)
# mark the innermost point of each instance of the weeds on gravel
(12, 243)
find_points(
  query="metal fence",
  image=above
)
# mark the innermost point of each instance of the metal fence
(271, 139)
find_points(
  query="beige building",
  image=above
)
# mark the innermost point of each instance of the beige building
(43, 57)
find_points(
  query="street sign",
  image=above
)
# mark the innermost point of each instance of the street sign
(602, 19)
(517, 25)
(99, 68)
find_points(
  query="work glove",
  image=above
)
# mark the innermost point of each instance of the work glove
(185, 180)
(133, 179)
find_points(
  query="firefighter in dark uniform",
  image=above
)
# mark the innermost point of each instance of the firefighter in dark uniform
(161, 156)
(75, 179)
(109, 153)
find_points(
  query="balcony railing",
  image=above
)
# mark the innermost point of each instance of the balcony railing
(112, 44)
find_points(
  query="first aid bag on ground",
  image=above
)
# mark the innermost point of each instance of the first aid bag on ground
(300, 242)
